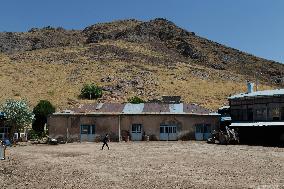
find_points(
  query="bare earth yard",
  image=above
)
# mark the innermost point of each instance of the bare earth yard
(143, 165)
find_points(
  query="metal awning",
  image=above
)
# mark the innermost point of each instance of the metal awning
(257, 124)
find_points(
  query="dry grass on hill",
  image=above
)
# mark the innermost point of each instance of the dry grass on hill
(58, 74)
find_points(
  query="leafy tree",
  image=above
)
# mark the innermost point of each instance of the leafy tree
(17, 115)
(41, 111)
(91, 91)
(135, 100)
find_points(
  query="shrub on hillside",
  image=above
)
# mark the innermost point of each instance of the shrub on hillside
(91, 91)
(135, 100)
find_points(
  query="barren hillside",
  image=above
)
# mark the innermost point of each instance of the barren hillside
(127, 58)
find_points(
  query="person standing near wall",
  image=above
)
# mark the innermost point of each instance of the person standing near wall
(105, 141)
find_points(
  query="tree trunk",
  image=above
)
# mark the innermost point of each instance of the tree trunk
(11, 134)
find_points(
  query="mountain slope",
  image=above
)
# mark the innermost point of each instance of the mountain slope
(127, 58)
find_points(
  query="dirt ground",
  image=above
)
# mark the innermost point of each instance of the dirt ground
(143, 165)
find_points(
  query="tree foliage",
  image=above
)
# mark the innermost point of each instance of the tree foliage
(135, 100)
(17, 115)
(41, 111)
(91, 91)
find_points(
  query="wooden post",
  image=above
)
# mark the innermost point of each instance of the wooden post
(119, 129)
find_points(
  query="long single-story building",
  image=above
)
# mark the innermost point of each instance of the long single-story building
(153, 121)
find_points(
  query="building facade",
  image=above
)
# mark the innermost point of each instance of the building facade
(153, 121)
(259, 115)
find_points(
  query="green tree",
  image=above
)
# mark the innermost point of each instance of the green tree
(41, 111)
(135, 100)
(17, 115)
(91, 91)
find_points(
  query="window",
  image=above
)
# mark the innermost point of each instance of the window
(203, 128)
(237, 114)
(249, 114)
(162, 129)
(275, 114)
(136, 128)
(207, 128)
(261, 114)
(85, 129)
(282, 113)
(199, 128)
(93, 129)
(88, 129)
(168, 129)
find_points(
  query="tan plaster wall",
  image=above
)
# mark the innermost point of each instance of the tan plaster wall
(59, 125)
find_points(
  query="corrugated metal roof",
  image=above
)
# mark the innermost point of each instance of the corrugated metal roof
(133, 108)
(276, 92)
(195, 109)
(147, 108)
(85, 108)
(112, 107)
(176, 108)
(156, 107)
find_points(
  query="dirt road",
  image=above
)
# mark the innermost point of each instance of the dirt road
(143, 165)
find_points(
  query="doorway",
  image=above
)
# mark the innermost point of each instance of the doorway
(168, 132)
(136, 132)
(202, 131)
(87, 133)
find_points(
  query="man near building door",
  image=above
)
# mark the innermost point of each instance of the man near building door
(105, 141)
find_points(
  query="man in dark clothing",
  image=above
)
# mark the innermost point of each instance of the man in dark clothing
(105, 141)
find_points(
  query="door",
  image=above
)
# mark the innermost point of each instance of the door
(207, 131)
(87, 133)
(168, 132)
(199, 132)
(202, 131)
(136, 132)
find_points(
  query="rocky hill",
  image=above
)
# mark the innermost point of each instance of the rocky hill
(127, 58)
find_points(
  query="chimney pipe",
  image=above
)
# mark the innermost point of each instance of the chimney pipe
(250, 87)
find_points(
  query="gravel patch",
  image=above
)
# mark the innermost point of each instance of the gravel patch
(178, 164)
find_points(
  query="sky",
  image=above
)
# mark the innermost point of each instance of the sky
(253, 26)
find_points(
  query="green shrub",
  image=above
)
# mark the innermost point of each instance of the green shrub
(41, 111)
(91, 91)
(135, 100)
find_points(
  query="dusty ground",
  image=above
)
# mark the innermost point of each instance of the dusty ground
(143, 165)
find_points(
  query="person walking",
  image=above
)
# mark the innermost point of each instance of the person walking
(105, 141)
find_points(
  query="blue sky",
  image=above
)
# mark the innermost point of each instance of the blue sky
(253, 26)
